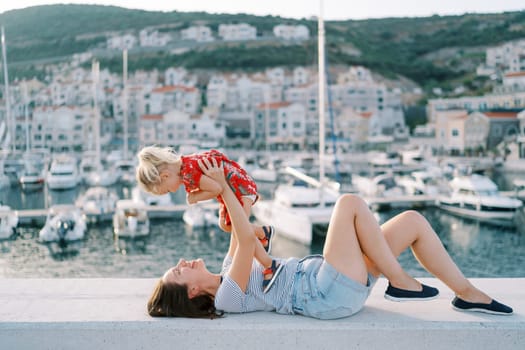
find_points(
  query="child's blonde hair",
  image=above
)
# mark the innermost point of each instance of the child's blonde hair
(152, 160)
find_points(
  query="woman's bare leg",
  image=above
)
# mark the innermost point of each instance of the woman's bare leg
(411, 229)
(354, 231)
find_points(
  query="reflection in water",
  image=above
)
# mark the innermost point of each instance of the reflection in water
(462, 232)
(63, 250)
(481, 250)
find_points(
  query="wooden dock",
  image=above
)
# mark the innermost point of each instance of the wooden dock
(405, 201)
(38, 216)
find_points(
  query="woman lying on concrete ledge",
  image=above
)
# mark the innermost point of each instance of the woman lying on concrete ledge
(335, 285)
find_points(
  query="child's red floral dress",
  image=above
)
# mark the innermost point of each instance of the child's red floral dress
(240, 182)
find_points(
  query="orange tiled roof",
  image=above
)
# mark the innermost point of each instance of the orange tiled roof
(366, 114)
(274, 105)
(501, 114)
(515, 74)
(152, 117)
(171, 88)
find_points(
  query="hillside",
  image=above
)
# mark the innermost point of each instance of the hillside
(432, 51)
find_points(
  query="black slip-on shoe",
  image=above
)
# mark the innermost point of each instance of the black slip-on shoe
(494, 308)
(396, 294)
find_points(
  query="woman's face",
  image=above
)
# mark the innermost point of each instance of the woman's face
(189, 273)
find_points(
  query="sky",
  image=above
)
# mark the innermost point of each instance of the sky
(332, 9)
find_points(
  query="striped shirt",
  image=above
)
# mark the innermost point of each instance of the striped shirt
(230, 297)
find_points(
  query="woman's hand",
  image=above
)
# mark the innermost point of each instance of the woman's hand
(213, 170)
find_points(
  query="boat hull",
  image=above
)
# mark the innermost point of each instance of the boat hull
(297, 225)
(474, 213)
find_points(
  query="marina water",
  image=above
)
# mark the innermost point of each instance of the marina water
(480, 249)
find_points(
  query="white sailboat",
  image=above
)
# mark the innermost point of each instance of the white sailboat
(32, 176)
(97, 203)
(296, 211)
(5, 127)
(125, 167)
(94, 173)
(4, 142)
(130, 219)
(8, 222)
(63, 173)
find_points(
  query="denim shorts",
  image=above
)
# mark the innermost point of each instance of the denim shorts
(320, 291)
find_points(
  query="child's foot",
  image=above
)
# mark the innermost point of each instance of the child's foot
(266, 242)
(270, 275)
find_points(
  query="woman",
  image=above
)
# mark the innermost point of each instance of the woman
(356, 251)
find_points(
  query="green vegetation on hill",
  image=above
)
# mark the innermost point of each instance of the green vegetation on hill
(391, 46)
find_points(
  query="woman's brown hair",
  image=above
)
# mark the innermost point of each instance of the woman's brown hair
(171, 300)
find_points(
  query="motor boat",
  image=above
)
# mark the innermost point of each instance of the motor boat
(298, 209)
(8, 222)
(130, 219)
(64, 223)
(138, 195)
(477, 196)
(97, 203)
(31, 178)
(201, 215)
(422, 182)
(382, 185)
(63, 173)
(125, 170)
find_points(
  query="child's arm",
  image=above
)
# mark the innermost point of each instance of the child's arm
(208, 189)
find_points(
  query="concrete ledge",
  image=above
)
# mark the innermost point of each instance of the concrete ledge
(110, 314)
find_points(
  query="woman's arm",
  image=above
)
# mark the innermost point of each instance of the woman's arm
(242, 230)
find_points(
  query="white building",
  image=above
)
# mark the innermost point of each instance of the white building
(152, 38)
(289, 32)
(509, 57)
(241, 31)
(177, 97)
(60, 128)
(179, 76)
(239, 93)
(504, 100)
(280, 125)
(121, 42)
(515, 80)
(175, 128)
(197, 33)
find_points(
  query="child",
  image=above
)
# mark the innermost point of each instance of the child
(161, 170)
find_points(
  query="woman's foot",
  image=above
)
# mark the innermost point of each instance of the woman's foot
(270, 275)
(425, 293)
(494, 307)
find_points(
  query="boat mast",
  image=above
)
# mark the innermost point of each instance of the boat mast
(6, 94)
(321, 102)
(96, 127)
(125, 100)
(26, 114)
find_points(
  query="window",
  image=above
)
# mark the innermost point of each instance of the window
(455, 132)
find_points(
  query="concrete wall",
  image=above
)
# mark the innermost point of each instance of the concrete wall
(111, 314)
